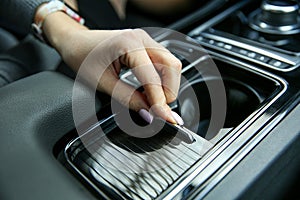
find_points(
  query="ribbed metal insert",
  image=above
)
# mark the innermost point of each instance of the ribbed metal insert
(122, 166)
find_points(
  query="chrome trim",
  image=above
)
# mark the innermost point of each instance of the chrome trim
(203, 164)
(290, 60)
(267, 28)
(71, 163)
(272, 54)
(280, 9)
(281, 30)
(223, 171)
(124, 78)
(187, 134)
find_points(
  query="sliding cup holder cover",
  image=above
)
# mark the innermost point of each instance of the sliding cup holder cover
(242, 100)
(121, 166)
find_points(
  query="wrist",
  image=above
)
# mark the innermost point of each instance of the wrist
(58, 27)
(47, 9)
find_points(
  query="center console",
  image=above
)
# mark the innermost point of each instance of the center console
(266, 33)
(234, 66)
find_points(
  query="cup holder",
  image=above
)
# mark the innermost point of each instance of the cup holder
(117, 160)
(195, 109)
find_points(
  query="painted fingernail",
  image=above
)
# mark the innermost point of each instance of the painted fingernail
(177, 118)
(146, 115)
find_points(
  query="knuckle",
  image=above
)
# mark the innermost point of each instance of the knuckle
(129, 41)
(140, 32)
(125, 38)
(132, 34)
(177, 65)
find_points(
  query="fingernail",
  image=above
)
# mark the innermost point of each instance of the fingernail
(177, 118)
(146, 115)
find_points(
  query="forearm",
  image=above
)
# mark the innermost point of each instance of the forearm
(58, 29)
(72, 40)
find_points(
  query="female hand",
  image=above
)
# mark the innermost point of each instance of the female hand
(153, 65)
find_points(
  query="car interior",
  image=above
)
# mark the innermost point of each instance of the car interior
(240, 61)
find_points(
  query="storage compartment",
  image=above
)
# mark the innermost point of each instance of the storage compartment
(213, 101)
(122, 166)
(241, 102)
(244, 93)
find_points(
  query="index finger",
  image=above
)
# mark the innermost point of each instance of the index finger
(144, 70)
(169, 68)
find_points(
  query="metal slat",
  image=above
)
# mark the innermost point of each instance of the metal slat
(132, 169)
(147, 188)
(171, 172)
(160, 182)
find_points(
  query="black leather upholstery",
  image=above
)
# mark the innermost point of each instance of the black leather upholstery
(38, 112)
(7, 39)
(25, 58)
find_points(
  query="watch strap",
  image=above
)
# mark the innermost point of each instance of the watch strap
(48, 8)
